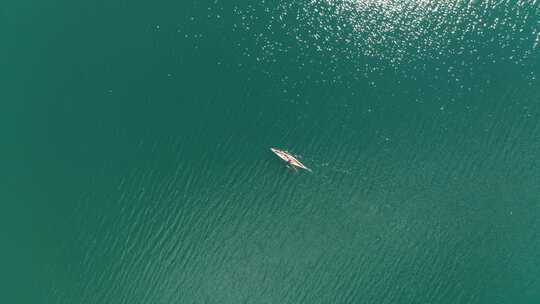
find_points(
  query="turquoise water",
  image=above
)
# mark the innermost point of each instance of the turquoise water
(138, 170)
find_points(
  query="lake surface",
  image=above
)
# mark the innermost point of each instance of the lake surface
(137, 167)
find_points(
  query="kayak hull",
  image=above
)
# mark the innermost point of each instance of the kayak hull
(291, 160)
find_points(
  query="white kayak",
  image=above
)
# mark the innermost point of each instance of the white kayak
(291, 160)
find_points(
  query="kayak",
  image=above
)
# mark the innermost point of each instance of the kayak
(291, 160)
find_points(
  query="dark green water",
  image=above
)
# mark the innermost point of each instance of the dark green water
(137, 168)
